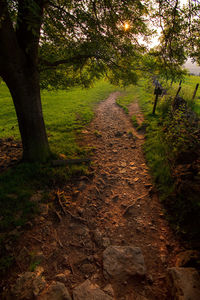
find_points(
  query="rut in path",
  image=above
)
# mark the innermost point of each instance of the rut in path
(118, 202)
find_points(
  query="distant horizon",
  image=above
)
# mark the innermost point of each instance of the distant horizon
(192, 67)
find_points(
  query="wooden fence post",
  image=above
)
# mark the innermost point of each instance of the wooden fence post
(178, 91)
(158, 92)
(155, 103)
(179, 88)
(195, 91)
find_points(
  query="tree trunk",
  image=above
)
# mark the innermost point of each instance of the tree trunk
(23, 84)
(18, 68)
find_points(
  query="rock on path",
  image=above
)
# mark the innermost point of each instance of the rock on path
(122, 262)
(185, 283)
(89, 291)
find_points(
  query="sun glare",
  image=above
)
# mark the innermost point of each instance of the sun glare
(126, 26)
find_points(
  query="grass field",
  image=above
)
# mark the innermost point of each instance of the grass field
(146, 90)
(187, 90)
(65, 114)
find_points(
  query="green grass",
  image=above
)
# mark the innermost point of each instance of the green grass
(134, 121)
(137, 92)
(126, 99)
(187, 89)
(65, 114)
(154, 147)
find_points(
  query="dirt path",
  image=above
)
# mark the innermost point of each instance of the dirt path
(115, 204)
(127, 210)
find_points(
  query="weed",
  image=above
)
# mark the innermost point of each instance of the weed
(125, 100)
(97, 133)
(34, 265)
(122, 106)
(134, 121)
(142, 127)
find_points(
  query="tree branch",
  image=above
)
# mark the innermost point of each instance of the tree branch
(8, 41)
(70, 60)
(29, 20)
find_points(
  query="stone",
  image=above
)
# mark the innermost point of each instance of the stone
(75, 193)
(82, 185)
(88, 290)
(37, 197)
(65, 260)
(115, 198)
(29, 225)
(23, 256)
(56, 291)
(80, 230)
(118, 134)
(148, 185)
(90, 258)
(188, 258)
(121, 262)
(62, 156)
(150, 279)
(122, 171)
(106, 242)
(38, 285)
(108, 289)
(136, 179)
(39, 270)
(98, 237)
(123, 164)
(184, 283)
(38, 257)
(87, 268)
(80, 210)
(131, 183)
(27, 286)
(131, 211)
(44, 209)
(102, 242)
(62, 277)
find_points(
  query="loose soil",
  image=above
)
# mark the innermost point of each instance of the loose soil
(10, 153)
(115, 204)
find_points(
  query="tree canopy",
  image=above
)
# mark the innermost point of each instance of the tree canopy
(180, 28)
(80, 39)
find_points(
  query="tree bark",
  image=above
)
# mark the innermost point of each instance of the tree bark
(25, 91)
(18, 68)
